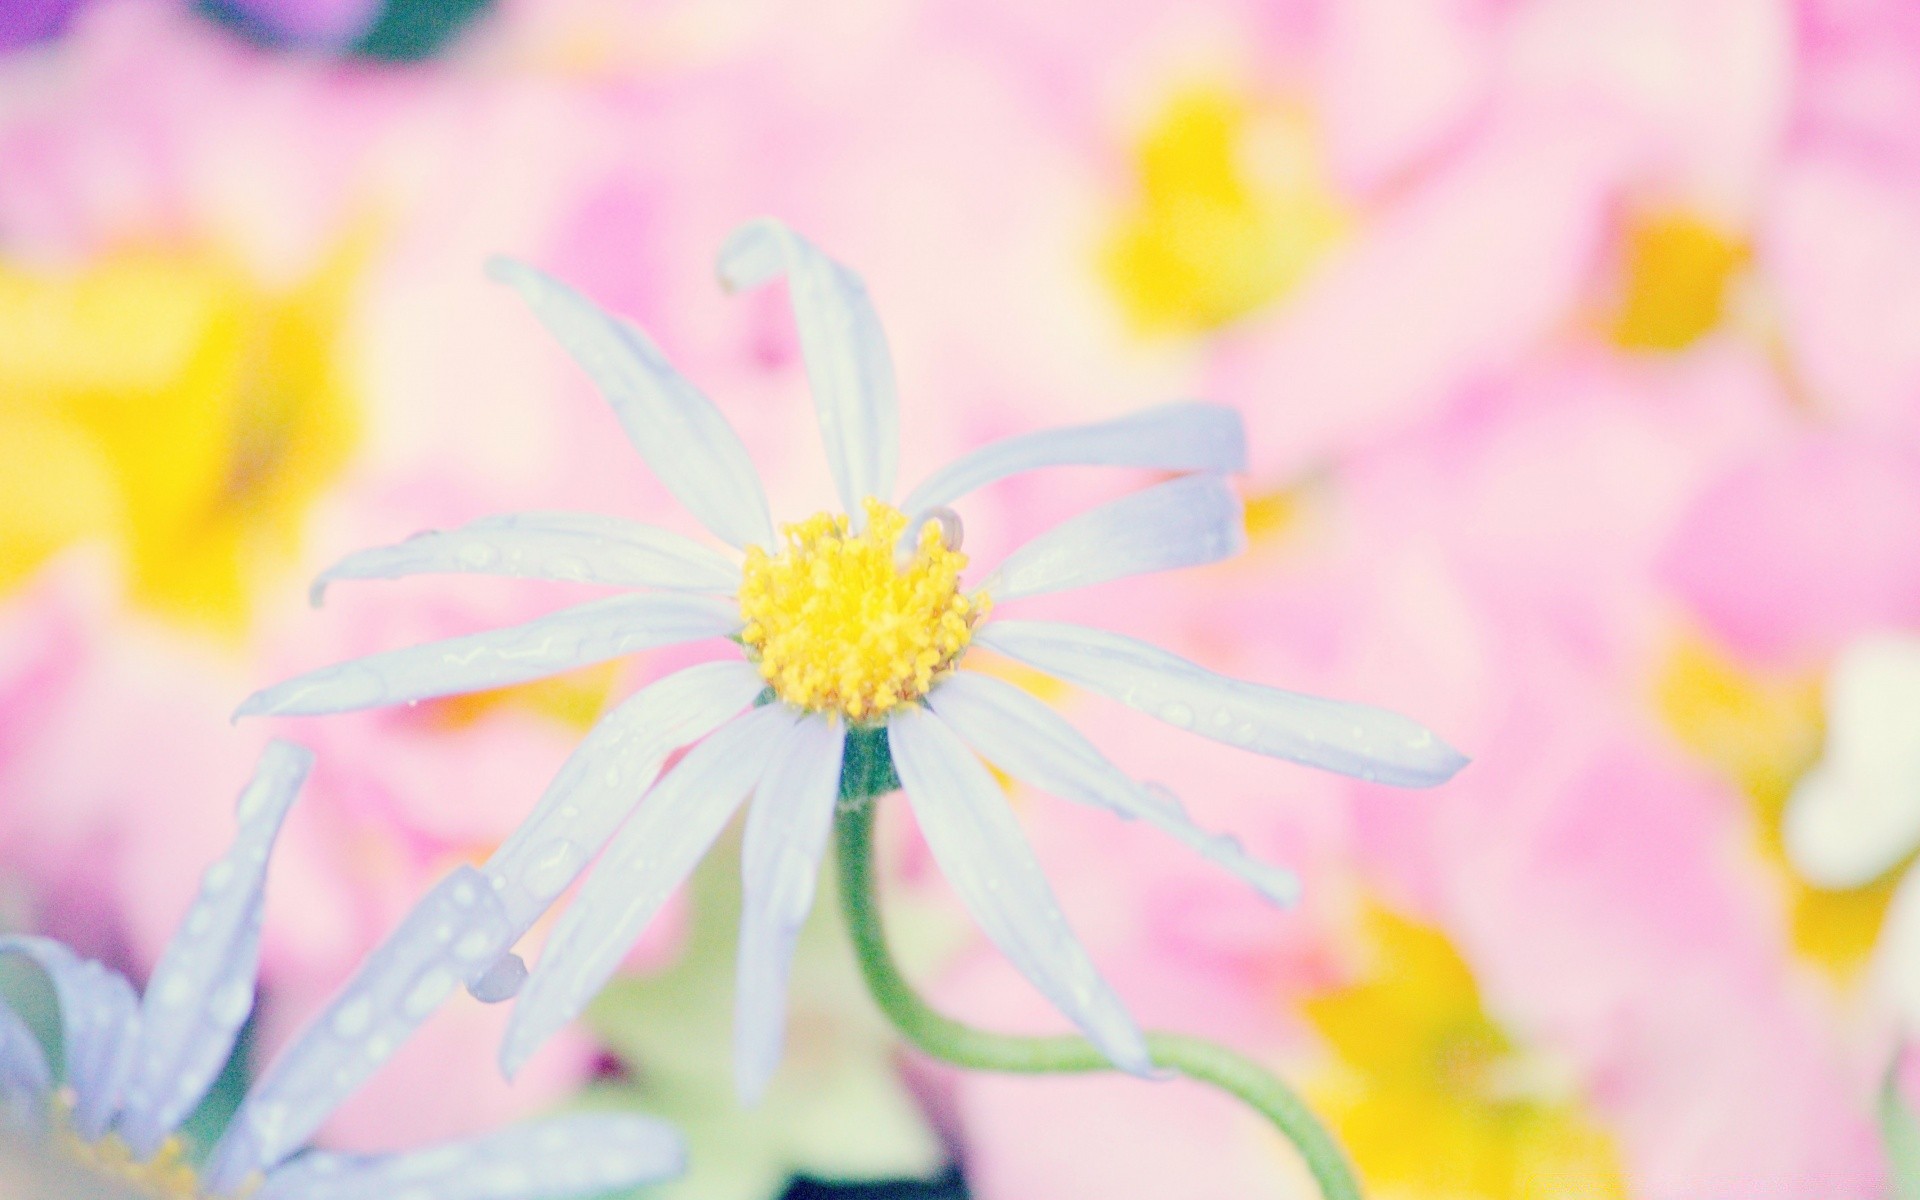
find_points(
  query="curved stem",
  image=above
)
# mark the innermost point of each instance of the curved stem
(962, 1045)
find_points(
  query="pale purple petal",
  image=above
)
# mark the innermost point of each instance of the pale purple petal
(565, 546)
(786, 834)
(1181, 523)
(99, 1028)
(679, 432)
(453, 932)
(606, 776)
(1028, 740)
(981, 850)
(202, 988)
(559, 1159)
(572, 637)
(25, 1078)
(1189, 436)
(848, 367)
(652, 855)
(1351, 739)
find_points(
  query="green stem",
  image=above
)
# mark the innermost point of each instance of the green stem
(977, 1049)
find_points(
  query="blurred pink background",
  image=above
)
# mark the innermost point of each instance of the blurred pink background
(1578, 343)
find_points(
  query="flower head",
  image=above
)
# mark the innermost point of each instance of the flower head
(136, 1066)
(859, 623)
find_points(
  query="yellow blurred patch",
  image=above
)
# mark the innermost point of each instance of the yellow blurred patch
(1678, 268)
(1763, 734)
(1432, 1099)
(162, 402)
(1234, 208)
(575, 699)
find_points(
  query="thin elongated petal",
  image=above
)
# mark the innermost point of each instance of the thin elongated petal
(559, 1159)
(565, 546)
(779, 866)
(974, 837)
(651, 856)
(25, 1078)
(1169, 437)
(679, 432)
(99, 1027)
(1351, 739)
(455, 930)
(572, 637)
(1181, 523)
(202, 989)
(848, 366)
(1028, 740)
(606, 776)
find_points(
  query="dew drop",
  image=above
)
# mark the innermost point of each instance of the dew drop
(501, 981)
(552, 868)
(476, 555)
(352, 1019)
(1177, 714)
(218, 876)
(435, 985)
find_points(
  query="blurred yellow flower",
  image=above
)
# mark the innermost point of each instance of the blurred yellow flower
(1762, 734)
(1234, 209)
(1678, 270)
(160, 401)
(1432, 1099)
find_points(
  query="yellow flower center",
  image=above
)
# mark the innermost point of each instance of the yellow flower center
(165, 1176)
(838, 624)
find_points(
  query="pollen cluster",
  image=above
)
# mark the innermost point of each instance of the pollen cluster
(168, 1175)
(839, 623)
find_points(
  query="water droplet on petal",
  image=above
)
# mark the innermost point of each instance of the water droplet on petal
(501, 981)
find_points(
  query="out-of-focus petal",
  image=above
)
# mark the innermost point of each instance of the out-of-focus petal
(1899, 953)
(566, 546)
(974, 837)
(1190, 436)
(203, 986)
(848, 367)
(779, 867)
(1857, 813)
(99, 1028)
(1181, 523)
(572, 637)
(652, 855)
(683, 437)
(1352, 739)
(1029, 741)
(455, 930)
(24, 1075)
(583, 1155)
(606, 776)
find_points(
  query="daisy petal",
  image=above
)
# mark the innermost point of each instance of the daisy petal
(848, 367)
(779, 866)
(202, 988)
(25, 1078)
(606, 776)
(1180, 523)
(652, 855)
(1028, 740)
(572, 637)
(1169, 437)
(679, 432)
(1351, 739)
(455, 930)
(583, 1155)
(565, 546)
(99, 1028)
(974, 837)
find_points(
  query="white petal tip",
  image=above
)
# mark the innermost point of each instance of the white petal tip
(749, 257)
(317, 594)
(253, 706)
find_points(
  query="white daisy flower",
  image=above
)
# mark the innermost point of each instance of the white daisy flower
(855, 626)
(1856, 814)
(136, 1066)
